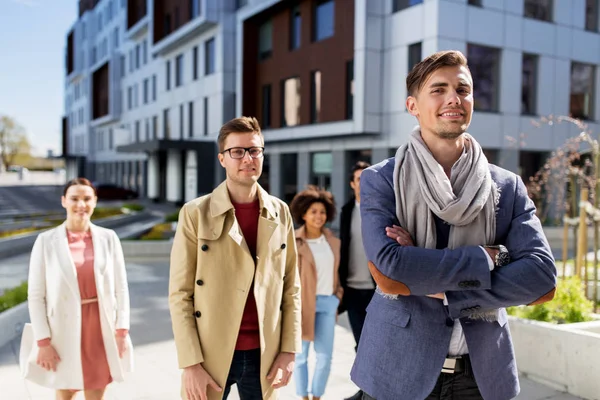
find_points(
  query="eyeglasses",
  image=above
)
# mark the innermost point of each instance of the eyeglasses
(240, 152)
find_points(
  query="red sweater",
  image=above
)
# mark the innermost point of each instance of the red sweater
(249, 336)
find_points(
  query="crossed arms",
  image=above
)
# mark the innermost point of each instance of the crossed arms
(529, 278)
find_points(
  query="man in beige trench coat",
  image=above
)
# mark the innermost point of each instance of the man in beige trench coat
(234, 290)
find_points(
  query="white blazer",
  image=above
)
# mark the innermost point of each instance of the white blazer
(55, 302)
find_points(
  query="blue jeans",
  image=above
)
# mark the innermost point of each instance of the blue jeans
(323, 345)
(245, 373)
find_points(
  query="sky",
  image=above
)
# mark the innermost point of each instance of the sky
(32, 71)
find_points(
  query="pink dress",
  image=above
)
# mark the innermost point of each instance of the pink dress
(96, 372)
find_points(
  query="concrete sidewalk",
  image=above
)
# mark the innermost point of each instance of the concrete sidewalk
(156, 375)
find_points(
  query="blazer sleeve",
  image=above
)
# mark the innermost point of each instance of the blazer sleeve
(531, 276)
(409, 270)
(121, 286)
(36, 291)
(181, 290)
(291, 328)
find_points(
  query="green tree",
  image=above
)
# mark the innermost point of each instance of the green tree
(13, 141)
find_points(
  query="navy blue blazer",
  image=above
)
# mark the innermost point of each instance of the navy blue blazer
(405, 341)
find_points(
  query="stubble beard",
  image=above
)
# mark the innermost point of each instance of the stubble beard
(451, 132)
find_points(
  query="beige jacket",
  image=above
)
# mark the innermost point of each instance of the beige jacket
(211, 273)
(308, 278)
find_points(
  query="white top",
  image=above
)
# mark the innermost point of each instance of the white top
(458, 342)
(359, 276)
(324, 260)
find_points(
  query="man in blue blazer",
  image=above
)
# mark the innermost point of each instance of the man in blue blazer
(451, 241)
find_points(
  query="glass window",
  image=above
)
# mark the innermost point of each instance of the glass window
(315, 97)
(168, 75)
(414, 55)
(240, 3)
(209, 56)
(191, 119)
(181, 121)
(153, 87)
(295, 28)
(137, 131)
(538, 9)
(349, 89)
(289, 176)
(179, 70)
(166, 125)
(484, 64)
(582, 91)
(529, 84)
(194, 8)
(290, 102)
(265, 40)
(155, 127)
(195, 63)
(206, 116)
(324, 20)
(398, 5)
(145, 52)
(475, 3)
(146, 84)
(321, 168)
(266, 106)
(137, 56)
(591, 15)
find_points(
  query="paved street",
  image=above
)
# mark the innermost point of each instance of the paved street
(156, 376)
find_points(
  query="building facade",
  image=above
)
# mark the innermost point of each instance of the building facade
(325, 78)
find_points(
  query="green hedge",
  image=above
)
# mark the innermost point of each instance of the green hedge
(569, 305)
(13, 297)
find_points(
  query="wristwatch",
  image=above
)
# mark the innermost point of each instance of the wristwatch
(502, 257)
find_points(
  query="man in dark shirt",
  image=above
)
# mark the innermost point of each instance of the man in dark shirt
(355, 277)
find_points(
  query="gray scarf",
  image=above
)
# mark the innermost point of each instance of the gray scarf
(467, 201)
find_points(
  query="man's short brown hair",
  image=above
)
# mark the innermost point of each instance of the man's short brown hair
(312, 194)
(421, 72)
(238, 125)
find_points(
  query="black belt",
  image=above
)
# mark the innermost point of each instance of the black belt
(456, 364)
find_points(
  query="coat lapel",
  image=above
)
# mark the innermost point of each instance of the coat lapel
(100, 252)
(67, 266)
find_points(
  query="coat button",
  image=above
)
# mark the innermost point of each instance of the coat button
(283, 246)
(449, 322)
(197, 314)
(199, 282)
(204, 247)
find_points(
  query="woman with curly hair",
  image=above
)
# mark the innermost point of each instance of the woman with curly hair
(318, 262)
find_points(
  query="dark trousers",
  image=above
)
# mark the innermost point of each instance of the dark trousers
(356, 301)
(245, 373)
(456, 386)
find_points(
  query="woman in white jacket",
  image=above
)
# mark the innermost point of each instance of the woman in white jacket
(79, 301)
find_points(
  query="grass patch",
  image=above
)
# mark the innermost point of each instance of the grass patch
(173, 217)
(13, 297)
(101, 212)
(15, 232)
(157, 232)
(133, 207)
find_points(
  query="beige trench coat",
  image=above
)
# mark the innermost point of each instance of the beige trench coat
(211, 273)
(308, 277)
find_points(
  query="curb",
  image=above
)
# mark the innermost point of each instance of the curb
(12, 321)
